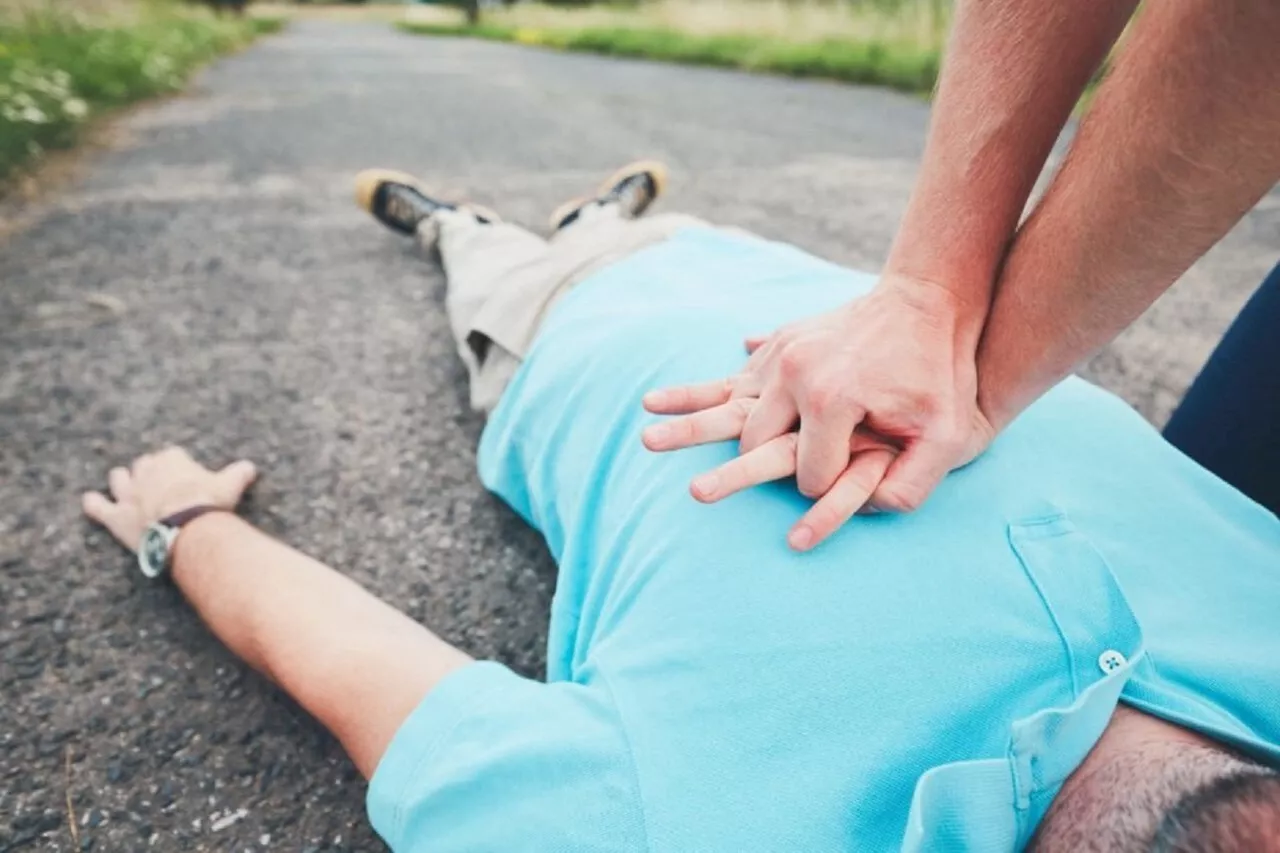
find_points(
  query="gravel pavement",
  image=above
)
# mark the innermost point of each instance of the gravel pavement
(207, 281)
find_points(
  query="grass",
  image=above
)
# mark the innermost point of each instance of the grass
(343, 12)
(60, 68)
(896, 44)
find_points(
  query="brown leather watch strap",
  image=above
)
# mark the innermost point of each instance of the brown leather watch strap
(188, 515)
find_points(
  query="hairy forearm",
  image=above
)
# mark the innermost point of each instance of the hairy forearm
(355, 663)
(1183, 138)
(1014, 70)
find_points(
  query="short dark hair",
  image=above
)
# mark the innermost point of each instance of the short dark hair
(1236, 813)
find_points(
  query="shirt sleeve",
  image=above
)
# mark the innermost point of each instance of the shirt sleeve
(493, 761)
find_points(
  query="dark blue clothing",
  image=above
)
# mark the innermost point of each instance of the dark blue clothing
(1229, 421)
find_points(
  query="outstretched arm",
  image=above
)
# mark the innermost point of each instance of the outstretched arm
(355, 663)
(1183, 138)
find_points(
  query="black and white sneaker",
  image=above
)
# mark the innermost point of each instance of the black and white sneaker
(400, 201)
(633, 188)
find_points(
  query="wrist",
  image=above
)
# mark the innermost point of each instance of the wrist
(196, 539)
(954, 238)
(1007, 386)
(952, 312)
(997, 408)
(966, 294)
(175, 502)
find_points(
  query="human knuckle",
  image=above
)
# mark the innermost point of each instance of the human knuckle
(824, 519)
(925, 404)
(742, 407)
(824, 398)
(948, 436)
(792, 361)
(902, 409)
(860, 483)
(901, 497)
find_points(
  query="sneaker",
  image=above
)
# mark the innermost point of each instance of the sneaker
(633, 188)
(400, 201)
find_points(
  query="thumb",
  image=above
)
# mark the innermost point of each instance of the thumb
(232, 481)
(754, 342)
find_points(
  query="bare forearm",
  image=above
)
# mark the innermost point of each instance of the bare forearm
(1013, 72)
(355, 663)
(1182, 140)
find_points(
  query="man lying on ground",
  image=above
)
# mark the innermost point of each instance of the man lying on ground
(1072, 646)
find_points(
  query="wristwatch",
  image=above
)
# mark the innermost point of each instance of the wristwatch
(156, 546)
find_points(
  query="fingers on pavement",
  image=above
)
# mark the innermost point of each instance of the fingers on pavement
(98, 507)
(234, 479)
(847, 495)
(121, 483)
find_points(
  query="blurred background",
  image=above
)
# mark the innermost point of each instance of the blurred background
(62, 61)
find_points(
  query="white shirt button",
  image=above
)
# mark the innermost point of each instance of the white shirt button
(1110, 660)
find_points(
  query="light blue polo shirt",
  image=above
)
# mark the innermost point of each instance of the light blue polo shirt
(919, 682)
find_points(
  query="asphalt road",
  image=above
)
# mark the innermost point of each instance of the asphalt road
(208, 281)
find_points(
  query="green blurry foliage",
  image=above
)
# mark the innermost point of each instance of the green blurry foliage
(59, 68)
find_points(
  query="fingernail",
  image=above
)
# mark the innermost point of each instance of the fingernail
(705, 485)
(657, 434)
(801, 538)
(653, 398)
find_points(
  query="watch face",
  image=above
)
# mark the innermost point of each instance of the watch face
(153, 552)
